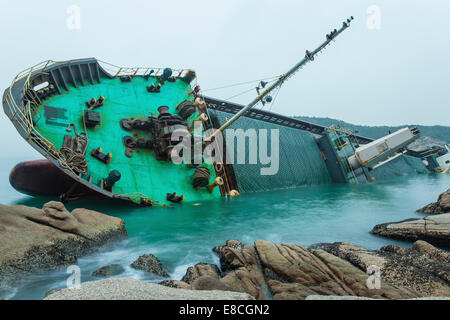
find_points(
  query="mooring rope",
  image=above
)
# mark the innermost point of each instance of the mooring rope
(73, 160)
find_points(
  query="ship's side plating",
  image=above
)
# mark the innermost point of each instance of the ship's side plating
(309, 154)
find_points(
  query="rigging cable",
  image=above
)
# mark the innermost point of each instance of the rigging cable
(274, 99)
(246, 91)
(241, 83)
(239, 94)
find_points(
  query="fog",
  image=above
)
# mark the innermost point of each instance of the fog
(391, 67)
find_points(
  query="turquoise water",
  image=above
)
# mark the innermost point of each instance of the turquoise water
(184, 235)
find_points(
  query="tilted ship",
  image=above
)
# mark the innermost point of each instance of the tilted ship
(108, 130)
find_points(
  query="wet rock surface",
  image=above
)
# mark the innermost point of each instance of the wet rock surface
(199, 270)
(433, 229)
(442, 205)
(423, 268)
(50, 292)
(108, 271)
(296, 272)
(241, 268)
(151, 264)
(292, 272)
(34, 239)
(175, 284)
(210, 283)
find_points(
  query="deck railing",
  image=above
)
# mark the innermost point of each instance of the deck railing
(21, 114)
(117, 71)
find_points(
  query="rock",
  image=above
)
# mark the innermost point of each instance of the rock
(132, 289)
(175, 284)
(51, 291)
(289, 291)
(201, 269)
(228, 248)
(241, 268)
(294, 272)
(234, 244)
(210, 283)
(111, 270)
(337, 270)
(33, 239)
(423, 268)
(426, 248)
(358, 256)
(432, 229)
(317, 297)
(150, 263)
(441, 206)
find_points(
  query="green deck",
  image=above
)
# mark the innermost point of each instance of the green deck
(142, 173)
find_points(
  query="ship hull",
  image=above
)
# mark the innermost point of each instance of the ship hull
(46, 122)
(43, 178)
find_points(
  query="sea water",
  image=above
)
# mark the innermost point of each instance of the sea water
(184, 235)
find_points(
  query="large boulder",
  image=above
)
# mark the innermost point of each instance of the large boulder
(433, 229)
(287, 271)
(132, 289)
(294, 272)
(241, 267)
(441, 206)
(209, 283)
(33, 239)
(338, 270)
(151, 264)
(423, 268)
(199, 270)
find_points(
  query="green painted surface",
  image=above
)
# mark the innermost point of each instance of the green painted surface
(142, 173)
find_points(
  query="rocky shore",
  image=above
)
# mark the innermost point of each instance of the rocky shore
(434, 229)
(423, 269)
(292, 272)
(132, 289)
(442, 205)
(264, 270)
(34, 239)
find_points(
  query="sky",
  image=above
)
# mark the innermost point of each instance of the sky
(391, 67)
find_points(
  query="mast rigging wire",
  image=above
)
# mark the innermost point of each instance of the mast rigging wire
(240, 84)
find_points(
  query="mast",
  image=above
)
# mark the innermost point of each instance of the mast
(309, 56)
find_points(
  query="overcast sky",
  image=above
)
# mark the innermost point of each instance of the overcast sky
(396, 74)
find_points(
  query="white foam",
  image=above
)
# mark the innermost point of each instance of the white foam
(7, 292)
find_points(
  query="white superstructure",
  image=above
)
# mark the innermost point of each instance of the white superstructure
(383, 150)
(444, 161)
